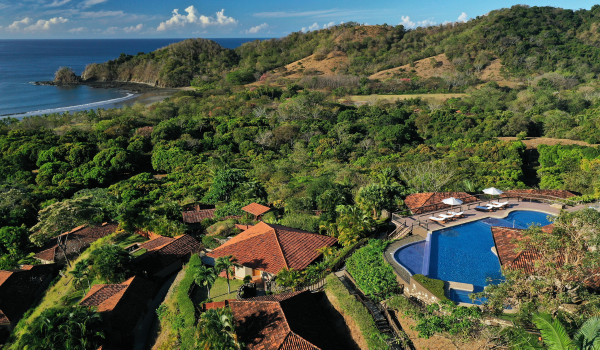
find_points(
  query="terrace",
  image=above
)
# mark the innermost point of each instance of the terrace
(461, 251)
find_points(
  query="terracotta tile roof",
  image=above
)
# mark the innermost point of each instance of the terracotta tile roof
(18, 290)
(153, 261)
(256, 209)
(124, 304)
(293, 323)
(195, 216)
(524, 260)
(77, 241)
(274, 297)
(157, 243)
(243, 227)
(419, 203)
(553, 193)
(271, 248)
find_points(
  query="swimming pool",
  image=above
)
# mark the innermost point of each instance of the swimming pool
(463, 253)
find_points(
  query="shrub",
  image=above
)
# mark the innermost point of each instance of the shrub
(301, 221)
(436, 287)
(210, 242)
(221, 228)
(356, 310)
(374, 276)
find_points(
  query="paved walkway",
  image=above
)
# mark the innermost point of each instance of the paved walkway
(474, 215)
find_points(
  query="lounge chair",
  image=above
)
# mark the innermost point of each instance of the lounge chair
(460, 214)
(447, 217)
(496, 206)
(438, 220)
(504, 204)
(486, 208)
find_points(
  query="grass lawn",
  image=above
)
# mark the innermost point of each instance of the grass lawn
(439, 97)
(218, 292)
(126, 240)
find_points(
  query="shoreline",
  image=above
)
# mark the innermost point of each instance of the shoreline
(133, 87)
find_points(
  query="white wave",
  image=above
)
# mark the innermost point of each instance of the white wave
(71, 108)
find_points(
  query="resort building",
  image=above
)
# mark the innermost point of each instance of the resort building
(18, 290)
(73, 243)
(122, 307)
(290, 321)
(165, 255)
(419, 203)
(265, 249)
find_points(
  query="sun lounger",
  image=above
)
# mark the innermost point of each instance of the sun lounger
(504, 204)
(480, 208)
(442, 220)
(455, 214)
(496, 206)
(447, 217)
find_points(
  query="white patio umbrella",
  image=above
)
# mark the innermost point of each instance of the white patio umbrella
(492, 191)
(452, 202)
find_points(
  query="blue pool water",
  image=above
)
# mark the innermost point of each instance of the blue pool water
(463, 253)
(411, 257)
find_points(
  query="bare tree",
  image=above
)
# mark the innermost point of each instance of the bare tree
(428, 176)
(264, 139)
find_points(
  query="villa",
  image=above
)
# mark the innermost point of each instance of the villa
(122, 306)
(18, 290)
(73, 242)
(165, 255)
(265, 249)
(290, 321)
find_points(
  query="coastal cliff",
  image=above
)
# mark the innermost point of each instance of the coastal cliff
(172, 66)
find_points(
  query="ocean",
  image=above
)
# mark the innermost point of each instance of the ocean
(25, 61)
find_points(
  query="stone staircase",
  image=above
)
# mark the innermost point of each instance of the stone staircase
(401, 231)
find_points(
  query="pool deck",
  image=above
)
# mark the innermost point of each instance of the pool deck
(474, 215)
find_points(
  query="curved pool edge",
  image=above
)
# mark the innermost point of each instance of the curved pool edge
(400, 271)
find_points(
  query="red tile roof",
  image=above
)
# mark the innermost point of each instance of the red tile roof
(18, 290)
(124, 304)
(271, 248)
(195, 216)
(293, 323)
(77, 240)
(153, 261)
(256, 209)
(420, 203)
(504, 239)
(552, 193)
(156, 243)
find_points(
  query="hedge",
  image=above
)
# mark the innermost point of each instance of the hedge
(373, 275)
(358, 312)
(185, 306)
(436, 287)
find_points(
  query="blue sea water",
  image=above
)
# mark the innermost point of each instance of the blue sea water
(25, 61)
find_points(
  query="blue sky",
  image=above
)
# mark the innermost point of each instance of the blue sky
(227, 18)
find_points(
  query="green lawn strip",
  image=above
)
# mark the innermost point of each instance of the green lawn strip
(61, 293)
(218, 292)
(357, 311)
(436, 287)
(125, 240)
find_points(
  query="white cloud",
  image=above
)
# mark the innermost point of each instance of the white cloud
(193, 17)
(78, 30)
(89, 3)
(463, 17)
(29, 25)
(406, 22)
(256, 29)
(98, 14)
(3, 6)
(57, 3)
(134, 29)
(314, 26)
(327, 25)
(111, 30)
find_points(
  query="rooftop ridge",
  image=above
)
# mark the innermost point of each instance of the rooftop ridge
(287, 265)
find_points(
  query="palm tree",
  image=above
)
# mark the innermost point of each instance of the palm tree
(216, 330)
(226, 263)
(556, 337)
(288, 278)
(205, 276)
(353, 223)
